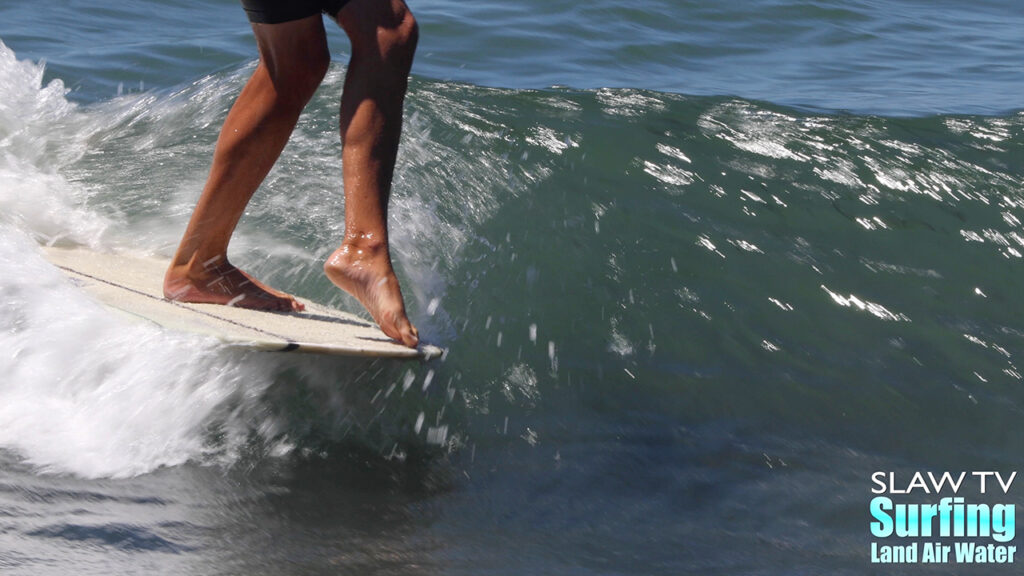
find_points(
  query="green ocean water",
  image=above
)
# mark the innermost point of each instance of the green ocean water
(695, 285)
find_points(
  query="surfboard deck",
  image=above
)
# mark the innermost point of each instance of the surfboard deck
(134, 285)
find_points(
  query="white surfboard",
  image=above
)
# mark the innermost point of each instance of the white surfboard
(134, 285)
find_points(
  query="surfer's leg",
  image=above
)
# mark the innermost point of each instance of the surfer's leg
(293, 62)
(383, 35)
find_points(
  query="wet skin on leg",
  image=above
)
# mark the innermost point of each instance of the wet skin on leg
(293, 61)
(383, 35)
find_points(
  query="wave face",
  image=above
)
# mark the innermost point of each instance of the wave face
(662, 308)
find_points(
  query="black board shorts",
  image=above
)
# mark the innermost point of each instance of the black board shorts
(278, 11)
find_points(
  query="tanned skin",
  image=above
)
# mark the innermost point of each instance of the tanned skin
(293, 61)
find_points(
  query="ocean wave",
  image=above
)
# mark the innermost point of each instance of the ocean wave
(570, 247)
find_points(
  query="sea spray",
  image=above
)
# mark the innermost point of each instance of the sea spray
(92, 393)
(88, 392)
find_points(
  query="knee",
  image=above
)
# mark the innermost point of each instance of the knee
(383, 31)
(296, 80)
(317, 68)
(398, 43)
(306, 76)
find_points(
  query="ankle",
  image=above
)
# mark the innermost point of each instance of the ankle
(360, 259)
(201, 266)
(364, 245)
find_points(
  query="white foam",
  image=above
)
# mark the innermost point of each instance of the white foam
(89, 393)
(82, 390)
(40, 134)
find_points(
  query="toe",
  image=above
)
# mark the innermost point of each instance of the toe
(410, 337)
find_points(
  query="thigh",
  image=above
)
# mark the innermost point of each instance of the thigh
(295, 55)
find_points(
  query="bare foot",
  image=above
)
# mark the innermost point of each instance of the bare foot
(366, 273)
(217, 281)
